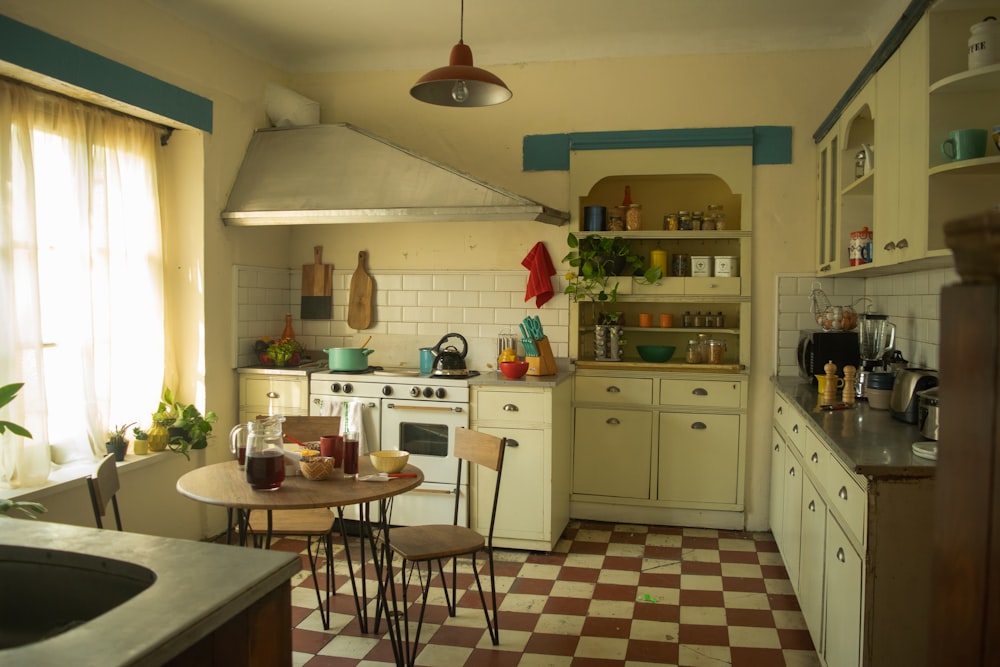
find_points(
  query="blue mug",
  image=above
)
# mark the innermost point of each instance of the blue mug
(426, 360)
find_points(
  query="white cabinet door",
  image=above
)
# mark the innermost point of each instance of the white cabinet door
(844, 572)
(777, 486)
(521, 509)
(612, 452)
(791, 521)
(812, 555)
(699, 458)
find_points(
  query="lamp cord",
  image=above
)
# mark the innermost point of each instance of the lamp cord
(461, 24)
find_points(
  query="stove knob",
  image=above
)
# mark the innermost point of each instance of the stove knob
(415, 392)
(387, 390)
(428, 392)
(335, 387)
(440, 393)
(348, 388)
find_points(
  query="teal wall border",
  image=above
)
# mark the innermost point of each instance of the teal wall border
(40, 52)
(772, 144)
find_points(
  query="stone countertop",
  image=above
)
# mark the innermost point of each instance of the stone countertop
(305, 368)
(198, 587)
(493, 378)
(869, 442)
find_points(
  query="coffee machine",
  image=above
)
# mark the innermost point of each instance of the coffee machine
(876, 337)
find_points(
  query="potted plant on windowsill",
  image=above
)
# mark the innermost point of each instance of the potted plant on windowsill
(140, 444)
(117, 443)
(187, 427)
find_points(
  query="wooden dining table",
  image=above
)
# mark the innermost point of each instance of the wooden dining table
(225, 485)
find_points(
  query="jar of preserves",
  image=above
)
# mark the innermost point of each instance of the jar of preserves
(616, 219)
(694, 351)
(697, 220)
(633, 217)
(716, 351)
(670, 222)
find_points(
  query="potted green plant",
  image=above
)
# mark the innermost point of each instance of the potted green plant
(117, 443)
(7, 394)
(140, 443)
(187, 427)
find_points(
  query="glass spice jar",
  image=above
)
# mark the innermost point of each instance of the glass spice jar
(616, 219)
(694, 351)
(687, 320)
(697, 220)
(716, 351)
(670, 222)
(633, 217)
(684, 221)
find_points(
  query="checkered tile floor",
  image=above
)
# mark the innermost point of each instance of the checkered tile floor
(610, 594)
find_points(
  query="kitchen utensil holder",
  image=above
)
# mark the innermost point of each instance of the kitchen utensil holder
(544, 363)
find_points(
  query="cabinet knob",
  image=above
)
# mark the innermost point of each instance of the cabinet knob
(889, 247)
(812, 505)
(840, 555)
(513, 443)
(777, 446)
(699, 392)
(791, 471)
(795, 428)
(613, 390)
(510, 407)
(814, 458)
(825, 267)
(613, 421)
(902, 243)
(699, 426)
(273, 394)
(842, 493)
(780, 410)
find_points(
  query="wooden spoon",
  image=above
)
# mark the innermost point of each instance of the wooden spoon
(366, 342)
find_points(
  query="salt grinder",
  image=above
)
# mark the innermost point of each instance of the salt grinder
(850, 375)
(830, 390)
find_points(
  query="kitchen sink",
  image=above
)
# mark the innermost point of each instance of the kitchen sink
(47, 592)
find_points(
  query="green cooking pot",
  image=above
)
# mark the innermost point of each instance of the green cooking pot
(348, 358)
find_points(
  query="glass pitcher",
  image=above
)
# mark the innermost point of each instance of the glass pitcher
(265, 452)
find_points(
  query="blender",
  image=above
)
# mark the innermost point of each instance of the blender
(876, 337)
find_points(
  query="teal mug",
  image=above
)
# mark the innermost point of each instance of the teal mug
(964, 144)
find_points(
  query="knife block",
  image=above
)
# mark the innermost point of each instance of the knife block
(544, 363)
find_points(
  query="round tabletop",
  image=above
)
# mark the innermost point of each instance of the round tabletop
(226, 485)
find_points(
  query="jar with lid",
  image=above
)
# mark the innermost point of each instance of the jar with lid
(684, 221)
(633, 217)
(694, 351)
(697, 220)
(687, 320)
(984, 43)
(616, 219)
(670, 222)
(699, 320)
(716, 351)
(720, 320)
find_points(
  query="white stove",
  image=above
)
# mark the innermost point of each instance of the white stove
(412, 412)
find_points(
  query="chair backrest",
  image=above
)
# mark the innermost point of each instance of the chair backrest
(103, 485)
(309, 429)
(485, 450)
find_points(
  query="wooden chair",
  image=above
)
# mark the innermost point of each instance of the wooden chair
(425, 545)
(313, 524)
(104, 485)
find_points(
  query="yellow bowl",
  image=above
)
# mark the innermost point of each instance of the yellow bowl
(389, 460)
(317, 467)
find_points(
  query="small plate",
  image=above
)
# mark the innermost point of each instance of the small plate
(925, 450)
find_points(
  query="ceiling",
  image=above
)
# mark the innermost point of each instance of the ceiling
(372, 35)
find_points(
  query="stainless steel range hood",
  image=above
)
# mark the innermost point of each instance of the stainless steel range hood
(323, 174)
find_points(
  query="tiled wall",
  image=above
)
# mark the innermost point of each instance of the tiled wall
(412, 309)
(911, 300)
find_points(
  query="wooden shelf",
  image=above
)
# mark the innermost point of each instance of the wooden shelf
(668, 366)
(970, 81)
(982, 165)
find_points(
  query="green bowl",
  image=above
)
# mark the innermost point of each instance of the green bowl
(656, 354)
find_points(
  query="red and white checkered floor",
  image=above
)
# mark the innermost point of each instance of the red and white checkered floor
(610, 594)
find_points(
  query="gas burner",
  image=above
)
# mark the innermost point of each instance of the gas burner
(365, 371)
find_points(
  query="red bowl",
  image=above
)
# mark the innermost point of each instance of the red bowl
(514, 369)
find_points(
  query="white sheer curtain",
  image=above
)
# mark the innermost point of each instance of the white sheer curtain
(81, 276)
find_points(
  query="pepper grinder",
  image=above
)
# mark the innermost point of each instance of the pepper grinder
(850, 375)
(830, 390)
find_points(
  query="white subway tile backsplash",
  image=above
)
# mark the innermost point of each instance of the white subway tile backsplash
(436, 298)
(403, 298)
(515, 282)
(449, 283)
(418, 282)
(479, 282)
(463, 299)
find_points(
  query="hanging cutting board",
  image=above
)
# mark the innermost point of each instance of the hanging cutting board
(359, 309)
(317, 288)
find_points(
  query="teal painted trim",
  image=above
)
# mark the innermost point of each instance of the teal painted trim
(550, 152)
(772, 144)
(545, 152)
(909, 18)
(45, 54)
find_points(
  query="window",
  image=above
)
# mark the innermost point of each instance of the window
(81, 277)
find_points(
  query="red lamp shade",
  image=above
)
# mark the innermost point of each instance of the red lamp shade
(460, 84)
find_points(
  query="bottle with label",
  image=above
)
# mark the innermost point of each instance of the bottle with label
(687, 320)
(289, 332)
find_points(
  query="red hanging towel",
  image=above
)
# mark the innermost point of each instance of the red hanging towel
(538, 262)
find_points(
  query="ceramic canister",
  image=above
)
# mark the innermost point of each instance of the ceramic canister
(701, 266)
(594, 217)
(984, 44)
(860, 249)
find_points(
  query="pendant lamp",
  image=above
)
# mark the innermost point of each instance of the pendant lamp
(460, 84)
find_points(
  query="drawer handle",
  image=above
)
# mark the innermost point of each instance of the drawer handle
(513, 443)
(510, 407)
(613, 390)
(825, 267)
(812, 506)
(780, 410)
(890, 246)
(842, 493)
(795, 428)
(902, 243)
(699, 426)
(613, 421)
(273, 394)
(840, 555)
(814, 458)
(699, 392)
(791, 471)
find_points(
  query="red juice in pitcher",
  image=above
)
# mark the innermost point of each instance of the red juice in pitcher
(266, 469)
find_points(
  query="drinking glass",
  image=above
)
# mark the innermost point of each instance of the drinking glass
(352, 450)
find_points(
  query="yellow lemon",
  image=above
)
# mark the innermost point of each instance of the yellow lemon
(508, 355)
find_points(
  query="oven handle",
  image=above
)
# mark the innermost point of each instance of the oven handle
(393, 406)
(442, 492)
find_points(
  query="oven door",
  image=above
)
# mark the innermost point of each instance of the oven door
(427, 431)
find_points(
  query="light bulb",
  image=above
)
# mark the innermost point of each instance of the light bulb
(460, 92)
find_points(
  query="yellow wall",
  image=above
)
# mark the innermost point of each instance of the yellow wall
(795, 89)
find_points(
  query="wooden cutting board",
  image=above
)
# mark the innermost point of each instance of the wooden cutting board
(359, 308)
(317, 288)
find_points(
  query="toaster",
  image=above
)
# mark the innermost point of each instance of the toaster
(904, 403)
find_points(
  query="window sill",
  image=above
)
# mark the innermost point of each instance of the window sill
(71, 475)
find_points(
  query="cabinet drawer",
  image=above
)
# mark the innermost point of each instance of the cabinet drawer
(689, 286)
(515, 407)
(790, 420)
(281, 394)
(700, 393)
(847, 494)
(615, 390)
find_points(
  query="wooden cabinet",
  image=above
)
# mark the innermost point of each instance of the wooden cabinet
(612, 452)
(264, 391)
(533, 508)
(844, 573)
(812, 560)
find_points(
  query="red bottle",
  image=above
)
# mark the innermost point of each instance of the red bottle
(288, 333)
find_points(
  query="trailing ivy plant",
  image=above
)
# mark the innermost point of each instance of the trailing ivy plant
(597, 260)
(7, 394)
